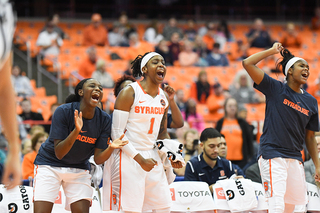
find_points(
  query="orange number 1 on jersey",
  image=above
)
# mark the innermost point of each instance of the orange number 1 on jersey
(151, 126)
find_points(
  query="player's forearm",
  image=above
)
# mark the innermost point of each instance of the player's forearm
(101, 156)
(8, 109)
(257, 57)
(177, 120)
(63, 147)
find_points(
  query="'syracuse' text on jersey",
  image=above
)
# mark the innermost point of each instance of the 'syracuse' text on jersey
(145, 117)
(288, 114)
(95, 133)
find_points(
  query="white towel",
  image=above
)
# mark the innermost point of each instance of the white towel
(96, 173)
(170, 149)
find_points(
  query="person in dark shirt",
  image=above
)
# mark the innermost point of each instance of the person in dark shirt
(208, 166)
(27, 114)
(291, 119)
(258, 36)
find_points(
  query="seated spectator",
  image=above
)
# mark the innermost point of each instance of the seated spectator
(22, 133)
(55, 19)
(309, 167)
(27, 114)
(190, 32)
(240, 52)
(201, 89)
(224, 31)
(126, 28)
(49, 41)
(191, 115)
(204, 29)
(200, 47)
(190, 148)
(163, 49)
(137, 47)
(171, 28)
(314, 89)
(258, 36)
(102, 75)
(52, 110)
(242, 89)
(128, 71)
(180, 99)
(291, 38)
(95, 33)
(208, 38)
(88, 65)
(174, 46)
(237, 134)
(152, 34)
(315, 22)
(216, 58)
(25, 147)
(223, 150)
(208, 166)
(189, 58)
(116, 37)
(28, 159)
(21, 84)
(215, 101)
(35, 129)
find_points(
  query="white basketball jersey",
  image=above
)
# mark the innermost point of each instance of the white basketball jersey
(145, 118)
(7, 27)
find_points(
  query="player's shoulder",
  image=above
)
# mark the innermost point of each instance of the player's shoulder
(225, 163)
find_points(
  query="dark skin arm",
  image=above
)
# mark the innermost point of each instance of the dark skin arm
(62, 147)
(100, 155)
(177, 120)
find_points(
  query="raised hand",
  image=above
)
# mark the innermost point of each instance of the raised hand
(277, 47)
(78, 122)
(170, 91)
(118, 143)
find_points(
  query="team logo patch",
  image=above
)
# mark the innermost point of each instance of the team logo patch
(173, 195)
(220, 193)
(162, 102)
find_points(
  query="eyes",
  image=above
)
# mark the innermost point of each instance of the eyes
(94, 86)
(156, 61)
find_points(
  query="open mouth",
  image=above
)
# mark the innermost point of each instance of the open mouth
(305, 75)
(160, 74)
(95, 97)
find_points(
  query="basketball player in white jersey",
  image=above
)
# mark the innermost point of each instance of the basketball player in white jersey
(12, 170)
(138, 181)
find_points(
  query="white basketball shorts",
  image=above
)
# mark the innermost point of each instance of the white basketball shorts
(127, 187)
(284, 182)
(76, 184)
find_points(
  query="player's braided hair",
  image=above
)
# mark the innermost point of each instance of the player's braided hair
(76, 97)
(136, 66)
(287, 55)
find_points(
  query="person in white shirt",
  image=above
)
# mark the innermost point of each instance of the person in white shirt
(49, 41)
(152, 34)
(21, 84)
(102, 75)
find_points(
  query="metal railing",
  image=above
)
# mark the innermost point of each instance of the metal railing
(57, 80)
(25, 57)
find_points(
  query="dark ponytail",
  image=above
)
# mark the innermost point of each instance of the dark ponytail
(136, 66)
(76, 97)
(287, 55)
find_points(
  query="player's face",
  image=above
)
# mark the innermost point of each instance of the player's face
(223, 147)
(211, 148)
(300, 72)
(92, 92)
(157, 69)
